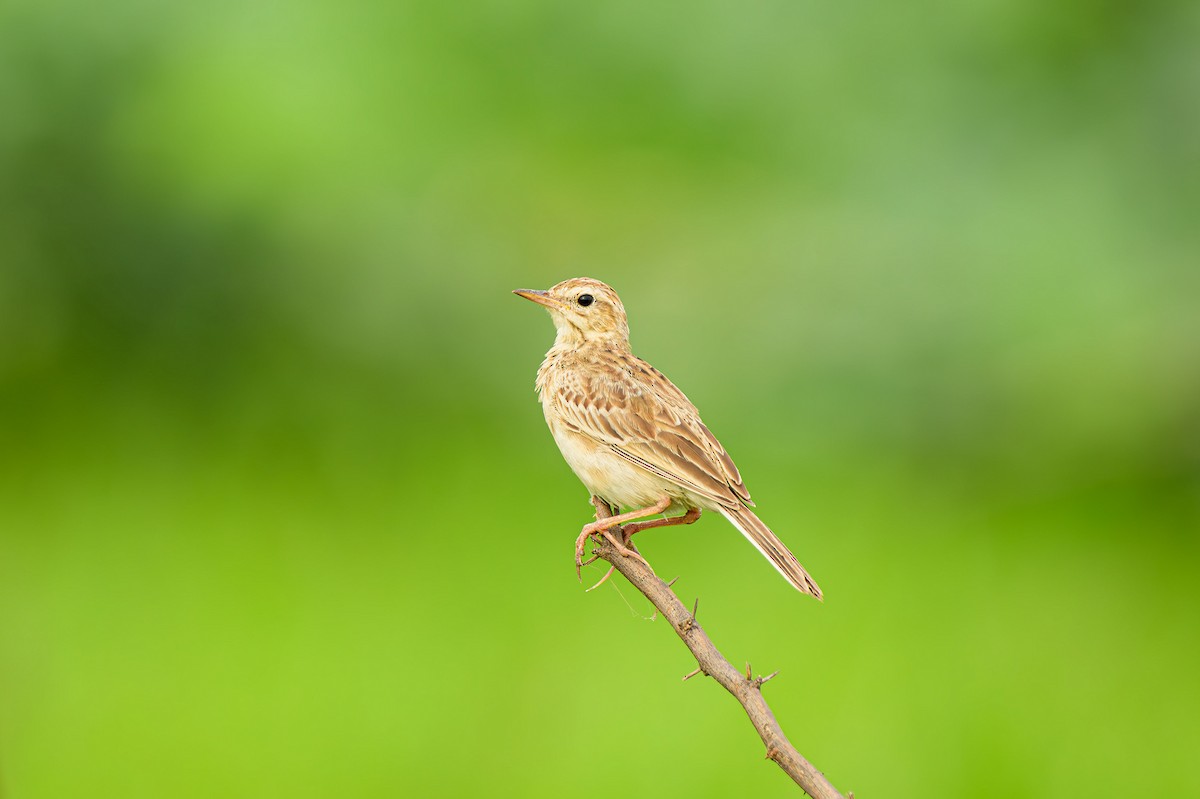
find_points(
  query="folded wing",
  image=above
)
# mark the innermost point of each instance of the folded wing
(633, 408)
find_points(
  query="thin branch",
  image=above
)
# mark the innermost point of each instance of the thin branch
(712, 663)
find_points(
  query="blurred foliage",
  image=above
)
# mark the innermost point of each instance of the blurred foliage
(278, 511)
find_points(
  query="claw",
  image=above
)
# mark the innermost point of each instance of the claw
(605, 522)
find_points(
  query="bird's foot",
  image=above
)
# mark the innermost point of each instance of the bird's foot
(604, 524)
(618, 543)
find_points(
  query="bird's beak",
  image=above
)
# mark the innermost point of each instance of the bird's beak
(541, 298)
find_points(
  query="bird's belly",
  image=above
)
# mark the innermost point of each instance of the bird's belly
(608, 475)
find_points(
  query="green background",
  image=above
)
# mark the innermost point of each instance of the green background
(279, 515)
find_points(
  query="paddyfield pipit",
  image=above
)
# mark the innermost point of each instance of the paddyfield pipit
(631, 436)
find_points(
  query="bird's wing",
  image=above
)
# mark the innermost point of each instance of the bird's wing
(624, 402)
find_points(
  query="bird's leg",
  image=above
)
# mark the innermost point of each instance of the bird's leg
(604, 509)
(628, 530)
(604, 526)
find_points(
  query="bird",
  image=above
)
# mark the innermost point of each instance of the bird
(631, 436)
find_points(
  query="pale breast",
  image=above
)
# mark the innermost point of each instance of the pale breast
(607, 475)
(598, 467)
(629, 434)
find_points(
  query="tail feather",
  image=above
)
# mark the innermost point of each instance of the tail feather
(772, 549)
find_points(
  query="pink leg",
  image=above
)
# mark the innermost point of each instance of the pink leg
(636, 527)
(605, 525)
(692, 515)
(603, 511)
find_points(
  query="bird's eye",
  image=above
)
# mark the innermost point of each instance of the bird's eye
(585, 300)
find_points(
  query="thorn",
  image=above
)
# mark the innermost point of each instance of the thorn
(695, 607)
(603, 580)
(759, 682)
(748, 671)
(692, 673)
(673, 579)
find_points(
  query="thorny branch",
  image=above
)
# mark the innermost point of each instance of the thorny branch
(712, 663)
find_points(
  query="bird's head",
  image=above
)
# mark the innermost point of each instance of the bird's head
(583, 310)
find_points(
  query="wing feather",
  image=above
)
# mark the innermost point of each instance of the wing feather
(623, 402)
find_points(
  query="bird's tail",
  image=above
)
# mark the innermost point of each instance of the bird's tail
(772, 549)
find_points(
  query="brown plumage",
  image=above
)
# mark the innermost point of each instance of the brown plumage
(630, 435)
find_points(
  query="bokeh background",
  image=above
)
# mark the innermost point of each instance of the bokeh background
(278, 512)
